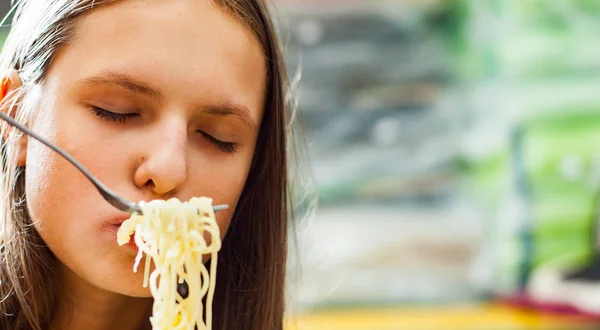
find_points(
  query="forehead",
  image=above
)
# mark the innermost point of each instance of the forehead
(189, 48)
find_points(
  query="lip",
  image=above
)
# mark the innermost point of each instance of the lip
(119, 219)
(113, 225)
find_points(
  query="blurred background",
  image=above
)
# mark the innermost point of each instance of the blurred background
(454, 149)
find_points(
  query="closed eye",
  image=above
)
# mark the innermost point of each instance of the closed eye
(228, 147)
(112, 116)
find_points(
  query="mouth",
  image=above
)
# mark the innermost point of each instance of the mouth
(119, 219)
(113, 225)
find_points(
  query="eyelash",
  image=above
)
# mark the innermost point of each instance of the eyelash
(228, 147)
(111, 116)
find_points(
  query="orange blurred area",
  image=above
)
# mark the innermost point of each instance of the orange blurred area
(480, 317)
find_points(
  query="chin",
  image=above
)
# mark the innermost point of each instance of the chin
(117, 276)
(136, 292)
(131, 286)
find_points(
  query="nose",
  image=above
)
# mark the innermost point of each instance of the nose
(163, 167)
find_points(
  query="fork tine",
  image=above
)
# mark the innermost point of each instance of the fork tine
(216, 208)
(221, 207)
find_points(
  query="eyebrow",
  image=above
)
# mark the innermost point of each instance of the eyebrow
(124, 81)
(242, 113)
(138, 87)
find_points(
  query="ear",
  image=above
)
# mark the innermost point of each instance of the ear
(9, 83)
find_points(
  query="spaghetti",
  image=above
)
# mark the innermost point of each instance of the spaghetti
(175, 236)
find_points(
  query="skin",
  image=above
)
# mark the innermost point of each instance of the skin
(161, 149)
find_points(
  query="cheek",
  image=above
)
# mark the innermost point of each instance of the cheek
(38, 187)
(223, 183)
(68, 213)
(228, 192)
(54, 192)
(61, 201)
(42, 177)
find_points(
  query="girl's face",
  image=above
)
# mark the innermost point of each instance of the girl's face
(156, 98)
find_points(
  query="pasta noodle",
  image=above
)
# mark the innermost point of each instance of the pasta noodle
(175, 236)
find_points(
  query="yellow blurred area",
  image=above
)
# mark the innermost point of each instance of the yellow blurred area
(426, 318)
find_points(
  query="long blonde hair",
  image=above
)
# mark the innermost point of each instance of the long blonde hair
(252, 262)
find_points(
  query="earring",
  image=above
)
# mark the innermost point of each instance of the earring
(3, 88)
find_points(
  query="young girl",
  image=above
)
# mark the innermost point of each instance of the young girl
(158, 99)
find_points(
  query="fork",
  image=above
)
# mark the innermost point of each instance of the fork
(111, 197)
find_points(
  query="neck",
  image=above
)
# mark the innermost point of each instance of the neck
(84, 306)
